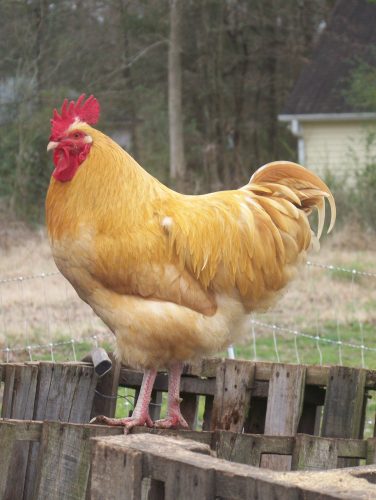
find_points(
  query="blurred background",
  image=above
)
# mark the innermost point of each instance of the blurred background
(201, 93)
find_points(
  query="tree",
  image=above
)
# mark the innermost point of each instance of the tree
(175, 112)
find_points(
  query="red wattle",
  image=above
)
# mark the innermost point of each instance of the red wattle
(67, 162)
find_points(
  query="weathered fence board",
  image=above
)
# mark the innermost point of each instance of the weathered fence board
(285, 402)
(232, 395)
(343, 407)
(65, 453)
(20, 383)
(63, 458)
(65, 391)
(314, 453)
(248, 448)
(343, 402)
(42, 391)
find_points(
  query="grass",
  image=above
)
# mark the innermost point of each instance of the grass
(309, 351)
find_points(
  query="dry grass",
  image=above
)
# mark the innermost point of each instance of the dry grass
(43, 309)
(47, 309)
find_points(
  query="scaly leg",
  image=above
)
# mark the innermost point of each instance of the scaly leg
(174, 417)
(140, 414)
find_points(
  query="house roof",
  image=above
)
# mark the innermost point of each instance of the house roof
(349, 38)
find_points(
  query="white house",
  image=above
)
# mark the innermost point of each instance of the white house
(333, 133)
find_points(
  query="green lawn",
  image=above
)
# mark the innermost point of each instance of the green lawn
(294, 349)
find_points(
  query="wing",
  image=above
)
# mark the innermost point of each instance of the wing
(244, 240)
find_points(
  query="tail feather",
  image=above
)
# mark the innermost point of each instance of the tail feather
(297, 184)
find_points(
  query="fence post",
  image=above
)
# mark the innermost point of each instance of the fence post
(232, 394)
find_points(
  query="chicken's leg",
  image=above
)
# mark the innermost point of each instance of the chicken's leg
(140, 414)
(174, 417)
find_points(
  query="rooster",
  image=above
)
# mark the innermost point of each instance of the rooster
(175, 277)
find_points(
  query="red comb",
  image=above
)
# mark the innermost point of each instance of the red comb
(87, 111)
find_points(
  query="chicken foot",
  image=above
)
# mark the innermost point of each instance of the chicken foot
(174, 417)
(140, 415)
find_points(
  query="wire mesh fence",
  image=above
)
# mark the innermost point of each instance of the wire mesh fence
(327, 316)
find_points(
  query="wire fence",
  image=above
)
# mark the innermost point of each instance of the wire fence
(328, 316)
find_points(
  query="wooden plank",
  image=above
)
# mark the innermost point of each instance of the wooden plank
(193, 385)
(371, 451)
(356, 448)
(284, 407)
(243, 448)
(199, 436)
(182, 480)
(64, 392)
(248, 448)
(314, 453)
(9, 376)
(315, 374)
(45, 377)
(107, 386)
(343, 405)
(19, 391)
(24, 430)
(19, 400)
(206, 367)
(233, 393)
(186, 481)
(15, 437)
(8, 474)
(343, 402)
(65, 454)
(108, 479)
(82, 401)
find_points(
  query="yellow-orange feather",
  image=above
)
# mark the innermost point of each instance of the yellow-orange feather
(175, 276)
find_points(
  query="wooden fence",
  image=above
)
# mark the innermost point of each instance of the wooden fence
(262, 398)
(275, 416)
(63, 459)
(163, 468)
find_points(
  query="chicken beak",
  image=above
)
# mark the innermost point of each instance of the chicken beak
(52, 145)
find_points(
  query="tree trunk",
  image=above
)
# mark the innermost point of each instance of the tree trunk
(128, 77)
(177, 160)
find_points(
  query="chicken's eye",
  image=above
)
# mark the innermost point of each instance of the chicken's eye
(76, 135)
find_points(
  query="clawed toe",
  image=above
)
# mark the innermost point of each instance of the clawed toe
(175, 422)
(128, 423)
